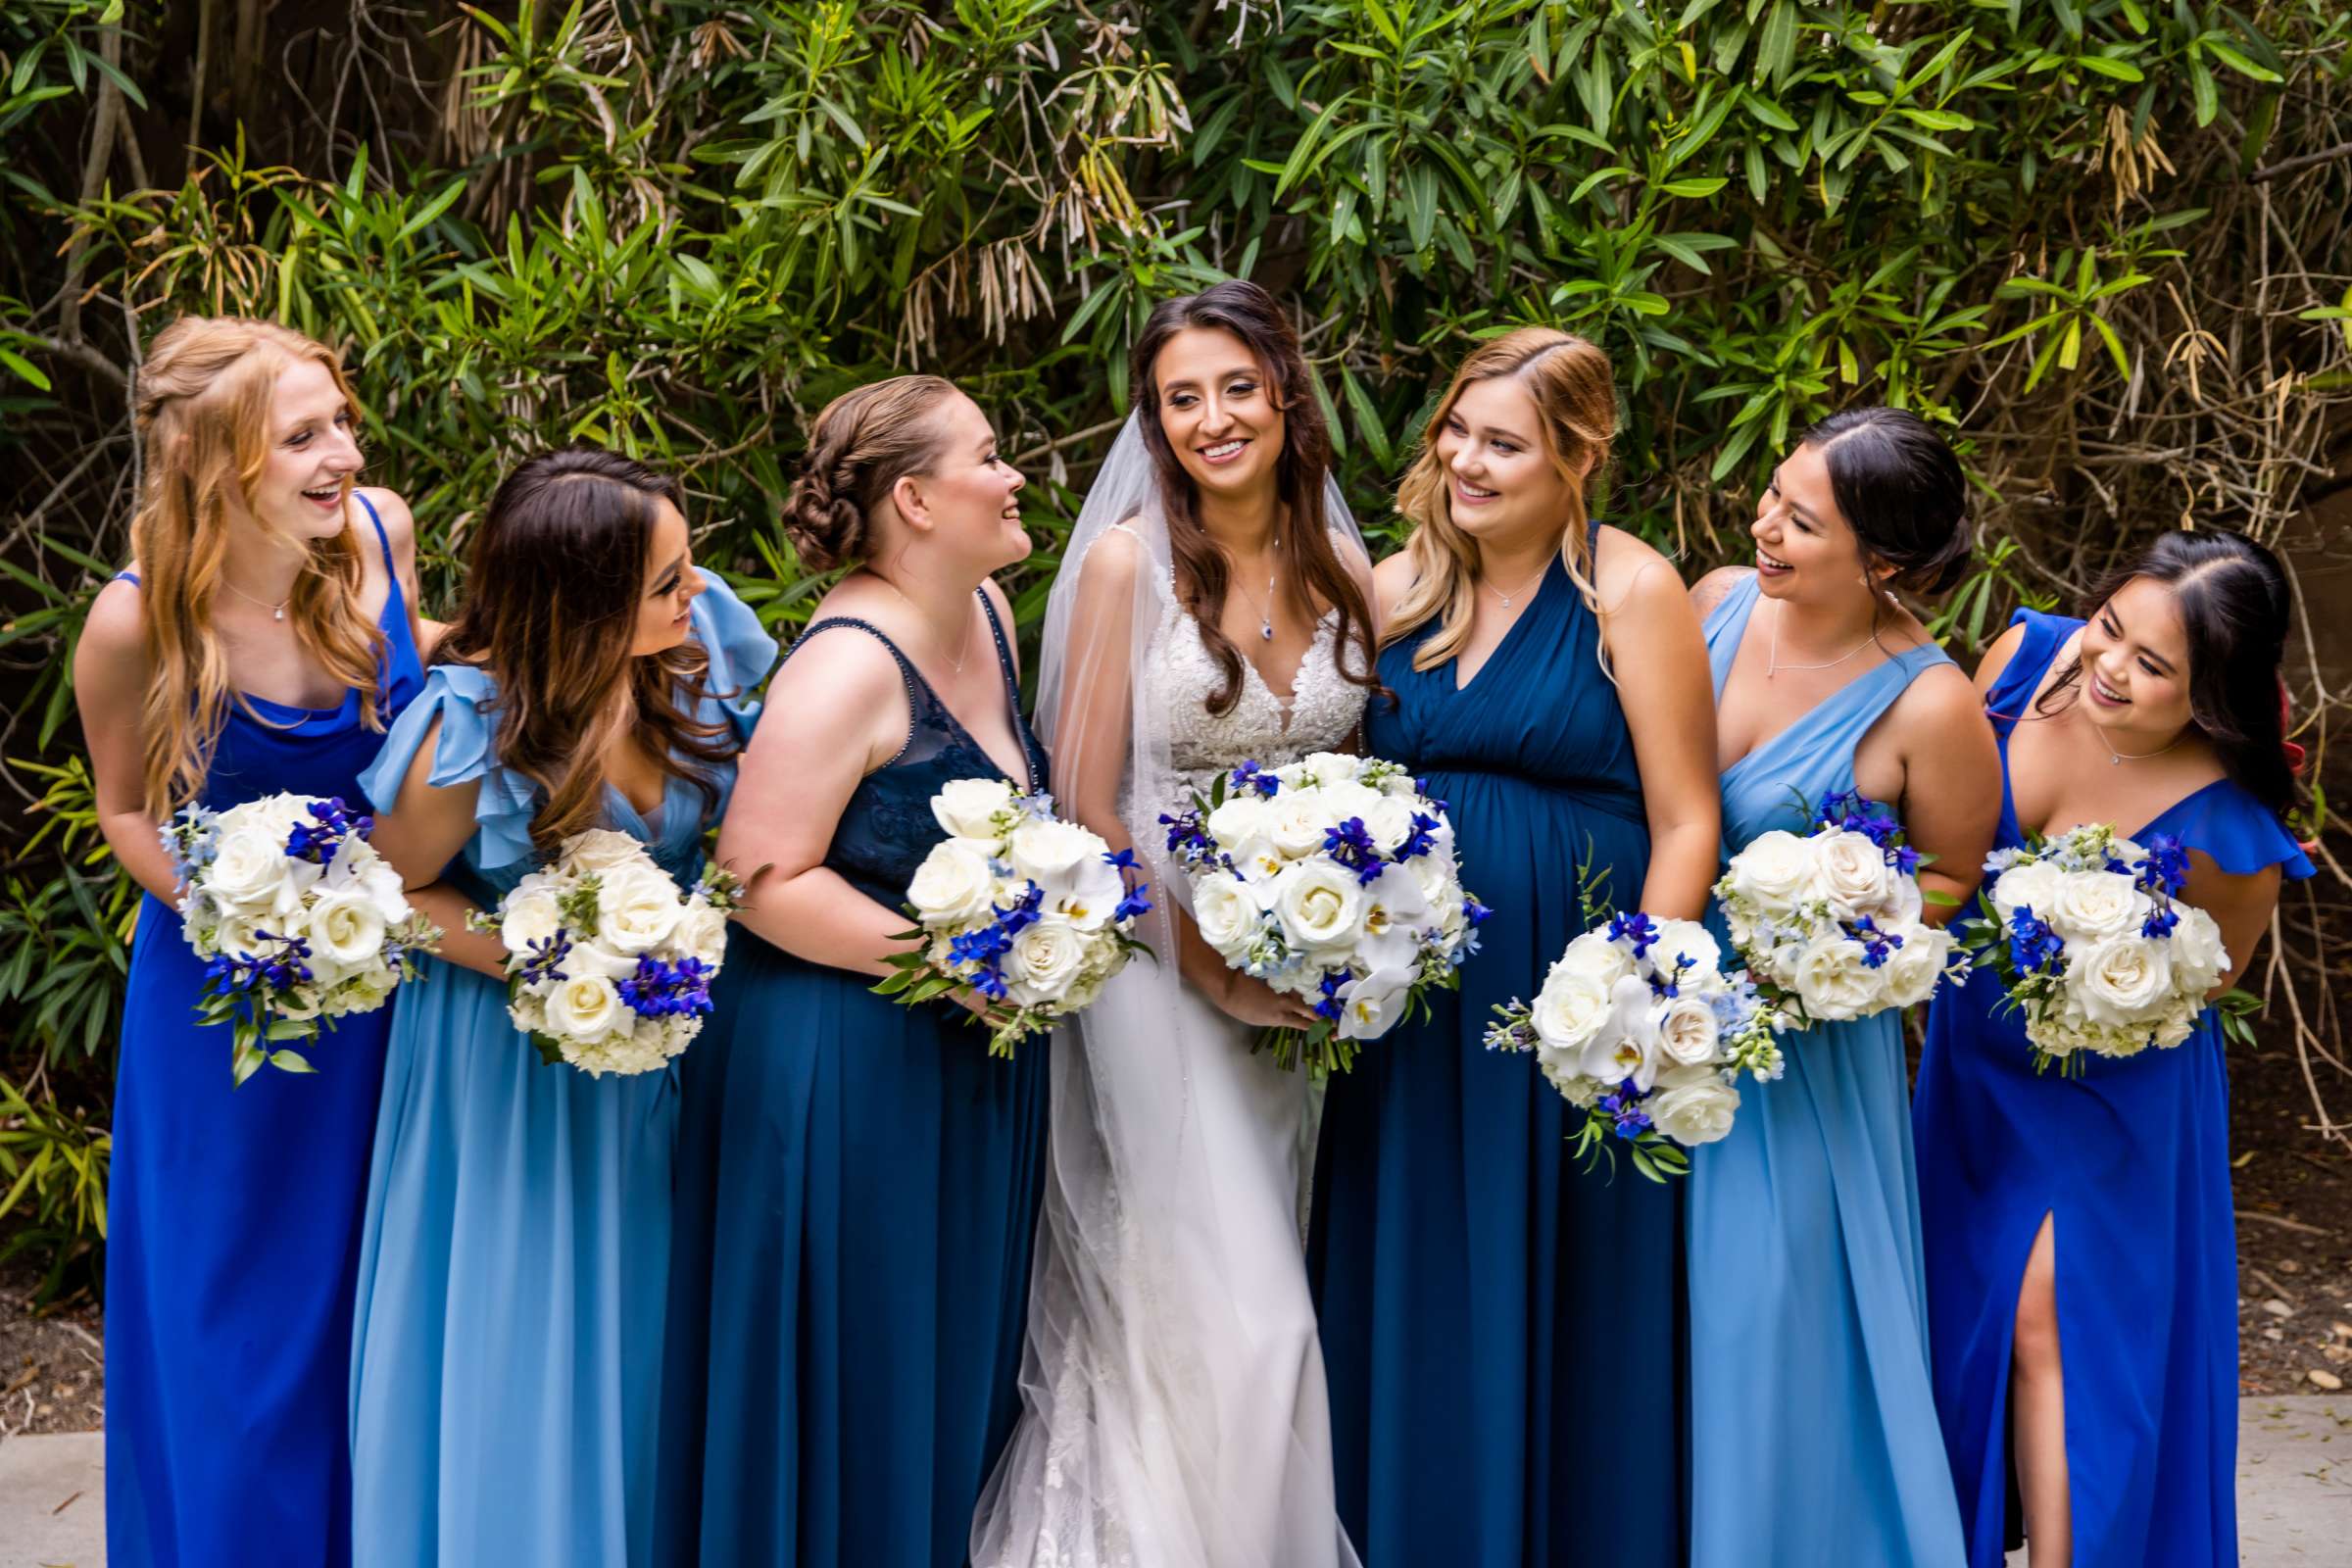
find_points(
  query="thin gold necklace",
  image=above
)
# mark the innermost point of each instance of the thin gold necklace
(277, 611)
(963, 649)
(1772, 659)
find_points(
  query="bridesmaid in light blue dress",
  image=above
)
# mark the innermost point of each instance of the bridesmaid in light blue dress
(2081, 1258)
(235, 1210)
(508, 1351)
(1813, 1424)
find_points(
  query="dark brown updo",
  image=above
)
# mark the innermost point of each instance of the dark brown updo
(866, 441)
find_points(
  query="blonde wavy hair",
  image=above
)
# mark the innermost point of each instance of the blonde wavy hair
(1574, 390)
(203, 410)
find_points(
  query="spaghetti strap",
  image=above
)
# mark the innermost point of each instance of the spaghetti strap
(383, 540)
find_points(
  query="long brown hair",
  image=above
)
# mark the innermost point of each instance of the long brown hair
(203, 414)
(1249, 313)
(1575, 395)
(552, 596)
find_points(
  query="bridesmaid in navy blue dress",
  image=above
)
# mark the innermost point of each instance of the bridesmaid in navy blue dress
(261, 642)
(1502, 1330)
(2082, 1256)
(857, 1181)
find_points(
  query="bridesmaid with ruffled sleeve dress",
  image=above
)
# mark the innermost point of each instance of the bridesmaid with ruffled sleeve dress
(515, 1265)
(2081, 1252)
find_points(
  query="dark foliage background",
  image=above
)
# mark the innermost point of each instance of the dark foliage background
(2105, 241)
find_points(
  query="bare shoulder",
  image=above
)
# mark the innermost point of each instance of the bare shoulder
(117, 624)
(1629, 571)
(399, 523)
(1112, 560)
(1713, 588)
(1938, 699)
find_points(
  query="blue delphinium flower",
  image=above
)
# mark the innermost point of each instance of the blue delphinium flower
(1623, 1107)
(1188, 839)
(1421, 840)
(674, 990)
(545, 959)
(2163, 869)
(1351, 846)
(1638, 928)
(332, 822)
(1249, 776)
(2033, 945)
(1137, 902)
(1328, 1007)
(1877, 946)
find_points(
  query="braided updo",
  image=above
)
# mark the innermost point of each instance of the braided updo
(865, 442)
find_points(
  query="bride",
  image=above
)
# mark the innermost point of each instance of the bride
(1212, 608)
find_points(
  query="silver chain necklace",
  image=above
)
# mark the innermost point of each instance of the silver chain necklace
(1266, 610)
(277, 611)
(1522, 588)
(1772, 659)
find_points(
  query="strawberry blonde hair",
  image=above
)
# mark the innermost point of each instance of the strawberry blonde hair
(203, 403)
(1576, 404)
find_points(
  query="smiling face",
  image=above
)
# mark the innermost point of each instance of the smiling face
(1216, 408)
(1501, 481)
(2135, 654)
(314, 452)
(968, 499)
(671, 585)
(1806, 550)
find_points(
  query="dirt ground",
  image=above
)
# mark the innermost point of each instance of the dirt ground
(52, 1378)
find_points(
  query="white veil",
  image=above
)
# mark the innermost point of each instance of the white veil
(1142, 1295)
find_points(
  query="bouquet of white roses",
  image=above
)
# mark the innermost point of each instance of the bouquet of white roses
(608, 966)
(2091, 940)
(1333, 880)
(1029, 911)
(1830, 923)
(299, 917)
(1637, 1027)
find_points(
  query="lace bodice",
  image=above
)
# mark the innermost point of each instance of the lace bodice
(1323, 708)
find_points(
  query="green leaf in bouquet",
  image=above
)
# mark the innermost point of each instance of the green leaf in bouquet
(288, 1060)
(907, 968)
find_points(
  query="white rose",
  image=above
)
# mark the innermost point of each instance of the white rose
(1834, 982)
(239, 934)
(1571, 1010)
(585, 1007)
(1043, 961)
(1776, 870)
(2122, 980)
(1914, 968)
(1389, 822)
(1331, 767)
(2090, 906)
(1297, 823)
(2199, 954)
(1627, 1046)
(1225, 912)
(1595, 954)
(969, 808)
(953, 885)
(250, 870)
(1241, 819)
(1687, 1032)
(529, 915)
(701, 932)
(1049, 851)
(346, 928)
(1346, 798)
(1319, 905)
(1851, 874)
(637, 907)
(600, 849)
(1694, 1106)
(1686, 940)
(2030, 885)
(1371, 1003)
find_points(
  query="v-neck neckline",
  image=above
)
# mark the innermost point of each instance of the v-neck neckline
(1738, 644)
(1461, 683)
(1026, 780)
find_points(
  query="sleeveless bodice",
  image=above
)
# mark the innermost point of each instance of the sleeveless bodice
(1539, 710)
(1259, 727)
(1779, 783)
(887, 827)
(267, 746)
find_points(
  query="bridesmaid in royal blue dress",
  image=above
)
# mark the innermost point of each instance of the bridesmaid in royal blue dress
(264, 638)
(1503, 1330)
(2082, 1257)
(507, 1354)
(1813, 1423)
(859, 1180)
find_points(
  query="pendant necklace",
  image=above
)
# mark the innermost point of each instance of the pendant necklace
(277, 611)
(1522, 588)
(1266, 610)
(1772, 660)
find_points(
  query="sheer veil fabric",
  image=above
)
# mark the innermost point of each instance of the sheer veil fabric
(1173, 1404)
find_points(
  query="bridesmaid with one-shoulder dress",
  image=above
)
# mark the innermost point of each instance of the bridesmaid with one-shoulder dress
(235, 1212)
(1813, 1425)
(508, 1349)
(2081, 1262)
(858, 1178)
(1503, 1330)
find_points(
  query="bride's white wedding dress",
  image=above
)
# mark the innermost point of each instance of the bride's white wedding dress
(1174, 1412)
